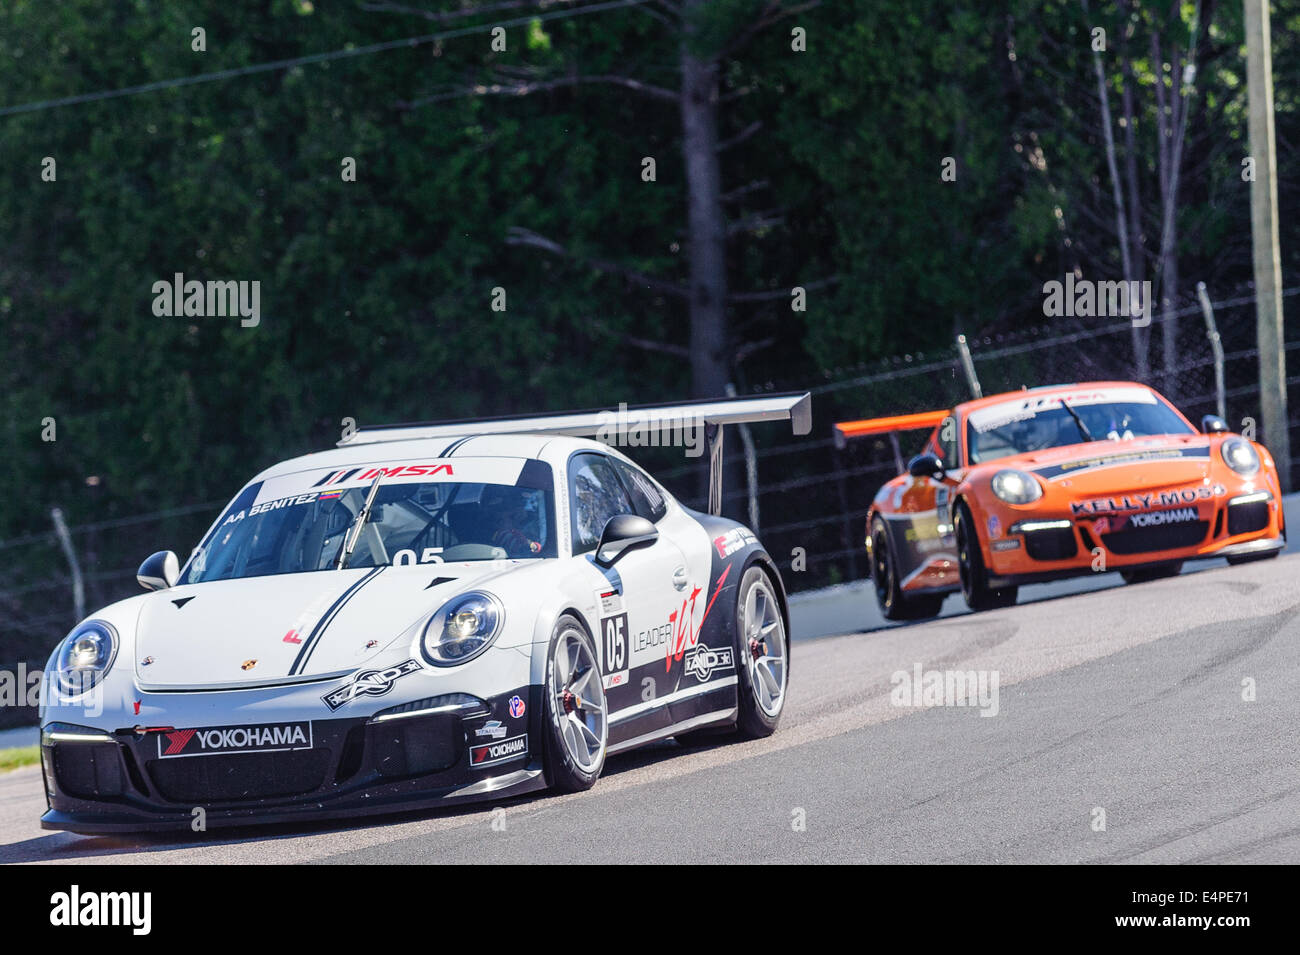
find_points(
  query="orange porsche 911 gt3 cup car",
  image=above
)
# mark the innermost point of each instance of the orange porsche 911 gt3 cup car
(1054, 482)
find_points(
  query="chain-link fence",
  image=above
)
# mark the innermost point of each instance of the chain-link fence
(812, 497)
(42, 597)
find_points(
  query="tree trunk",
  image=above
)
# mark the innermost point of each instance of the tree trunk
(1136, 257)
(1176, 132)
(706, 225)
(1169, 237)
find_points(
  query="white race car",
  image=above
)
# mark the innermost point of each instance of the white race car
(425, 615)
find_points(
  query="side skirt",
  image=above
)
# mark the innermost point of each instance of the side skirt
(704, 719)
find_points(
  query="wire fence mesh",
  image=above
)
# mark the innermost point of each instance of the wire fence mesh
(812, 496)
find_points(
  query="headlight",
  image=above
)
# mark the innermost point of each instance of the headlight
(1016, 487)
(1240, 456)
(85, 656)
(463, 628)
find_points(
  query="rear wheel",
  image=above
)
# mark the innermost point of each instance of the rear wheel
(970, 562)
(1142, 575)
(895, 604)
(762, 653)
(576, 727)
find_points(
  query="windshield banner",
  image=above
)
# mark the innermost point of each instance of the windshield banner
(1022, 409)
(307, 486)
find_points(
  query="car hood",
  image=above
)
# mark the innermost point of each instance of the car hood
(1136, 464)
(288, 628)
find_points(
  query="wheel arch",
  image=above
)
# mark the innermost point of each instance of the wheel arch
(964, 494)
(764, 560)
(544, 629)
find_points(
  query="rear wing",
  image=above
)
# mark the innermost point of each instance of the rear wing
(921, 420)
(712, 414)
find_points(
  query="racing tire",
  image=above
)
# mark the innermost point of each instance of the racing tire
(970, 563)
(1142, 575)
(893, 603)
(576, 725)
(763, 652)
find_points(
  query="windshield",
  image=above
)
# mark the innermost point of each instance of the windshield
(299, 522)
(1035, 422)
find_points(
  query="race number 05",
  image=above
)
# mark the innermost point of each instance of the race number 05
(615, 632)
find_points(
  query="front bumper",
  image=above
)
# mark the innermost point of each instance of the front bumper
(122, 781)
(1054, 546)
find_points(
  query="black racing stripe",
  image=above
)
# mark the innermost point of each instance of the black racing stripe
(300, 662)
(1116, 460)
(611, 575)
(455, 445)
(340, 475)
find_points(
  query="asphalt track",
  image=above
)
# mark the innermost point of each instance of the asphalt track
(1127, 700)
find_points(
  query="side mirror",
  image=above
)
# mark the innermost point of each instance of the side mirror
(622, 533)
(1213, 424)
(926, 465)
(159, 571)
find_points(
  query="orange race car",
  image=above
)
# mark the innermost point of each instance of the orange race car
(1054, 482)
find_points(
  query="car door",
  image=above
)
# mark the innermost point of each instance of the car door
(929, 547)
(636, 597)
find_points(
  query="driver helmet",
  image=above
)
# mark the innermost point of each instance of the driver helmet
(517, 505)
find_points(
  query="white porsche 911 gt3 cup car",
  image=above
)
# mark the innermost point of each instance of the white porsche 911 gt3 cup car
(425, 615)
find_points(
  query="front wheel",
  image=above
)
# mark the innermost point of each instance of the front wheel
(970, 563)
(576, 724)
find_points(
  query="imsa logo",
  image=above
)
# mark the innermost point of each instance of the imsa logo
(490, 753)
(702, 661)
(369, 683)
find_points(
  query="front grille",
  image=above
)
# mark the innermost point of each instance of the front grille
(1144, 540)
(88, 770)
(415, 745)
(244, 776)
(1248, 517)
(1053, 543)
(1089, 543)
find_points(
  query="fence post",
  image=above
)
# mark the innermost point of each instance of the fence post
(1212, 332)
(1269, 329)
(846, 524)
(968, 366)
(65, 540)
